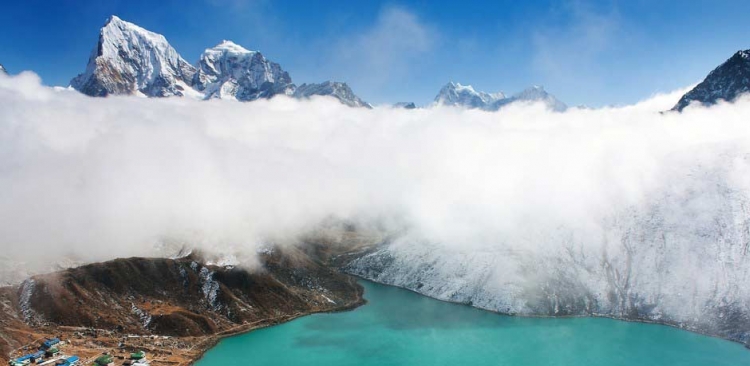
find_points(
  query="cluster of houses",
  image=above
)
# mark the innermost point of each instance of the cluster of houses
(49, 354)
(137, 358)
(46, 355)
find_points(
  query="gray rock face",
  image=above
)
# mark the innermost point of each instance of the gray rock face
(454, 94)
(681, 258)
(131, 60)
(726, 82)
(335, 89)
(229, 71)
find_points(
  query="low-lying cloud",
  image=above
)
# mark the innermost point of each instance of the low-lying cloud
(104, 178)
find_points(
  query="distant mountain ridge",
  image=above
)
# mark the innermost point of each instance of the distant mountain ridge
(726, 82)
(3, 70)
(456, 94)
(130, 60)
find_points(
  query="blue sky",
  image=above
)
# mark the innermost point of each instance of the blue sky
(585, 52)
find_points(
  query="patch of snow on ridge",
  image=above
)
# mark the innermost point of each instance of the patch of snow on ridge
(210, 288)
(24, 301)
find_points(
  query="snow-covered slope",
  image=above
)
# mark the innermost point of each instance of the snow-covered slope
(726, 82)
(455, 94)
(229, 71)
(131, 60)
(335, 89)
(2, 70)
(681, 257)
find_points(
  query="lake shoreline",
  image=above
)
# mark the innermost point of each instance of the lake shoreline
(533, 316)
(212, 340)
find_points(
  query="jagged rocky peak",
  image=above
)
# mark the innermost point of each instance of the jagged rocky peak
(229, 71)
(455, 94)
(131, 60)
(338, 90)
(726, 82)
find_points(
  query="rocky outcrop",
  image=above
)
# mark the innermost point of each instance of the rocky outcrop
(726, 82)
(3, 70)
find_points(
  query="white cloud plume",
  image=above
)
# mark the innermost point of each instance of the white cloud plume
(387, 50)
(103, 178)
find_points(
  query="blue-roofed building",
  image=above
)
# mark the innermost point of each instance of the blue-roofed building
(24, 360)
(36, 357)
(50, 342)
(72, 360)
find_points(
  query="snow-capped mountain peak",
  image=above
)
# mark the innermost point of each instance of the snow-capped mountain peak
(338, 90)
(2, 70)
(131, 60)
(726, 82)
(230, 71)
(534, 94)
(455, 94)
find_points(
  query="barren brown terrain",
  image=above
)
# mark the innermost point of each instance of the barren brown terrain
(173, 309)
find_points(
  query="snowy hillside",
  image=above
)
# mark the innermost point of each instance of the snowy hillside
(2, 70)
(682, 257)
(131, 60)
(726, 82)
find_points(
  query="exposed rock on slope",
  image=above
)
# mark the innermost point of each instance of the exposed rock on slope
(726, 82)
(2, 70)
(131, 60)
(335, 89)
(229, 71)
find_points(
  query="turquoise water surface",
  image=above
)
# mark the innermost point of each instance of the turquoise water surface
(398, 327)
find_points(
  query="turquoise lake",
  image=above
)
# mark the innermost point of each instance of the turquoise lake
(398, 327)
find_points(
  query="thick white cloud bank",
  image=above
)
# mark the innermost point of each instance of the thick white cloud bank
(509, 210)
